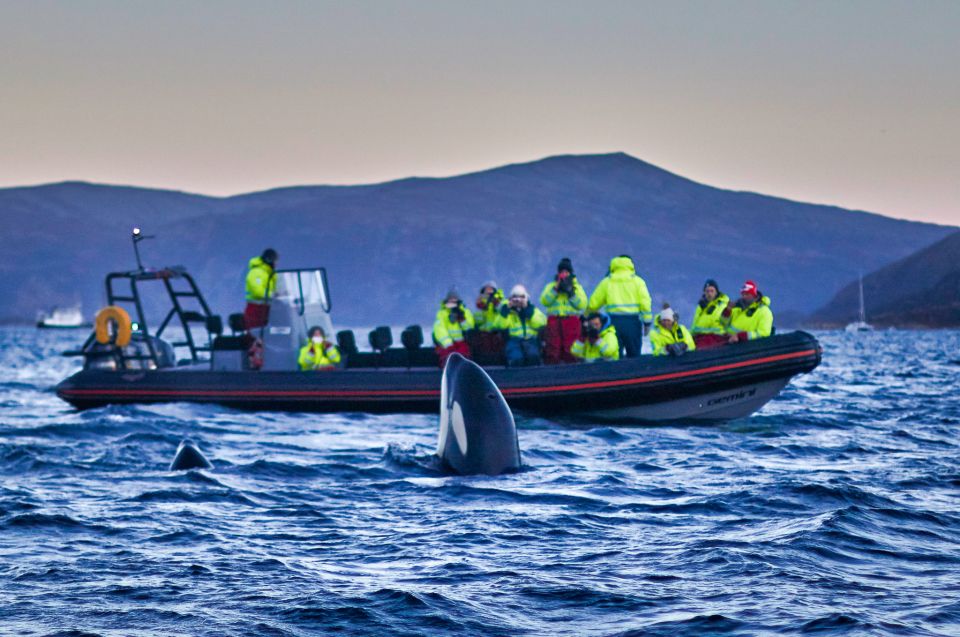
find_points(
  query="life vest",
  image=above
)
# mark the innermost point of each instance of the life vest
(661, 336)
(446, 331)
(562, 304)
(756, 319)
(261, 281)
(708, 317)
(606, 347)
(523, 328)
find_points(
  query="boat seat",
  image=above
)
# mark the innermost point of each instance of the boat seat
(347, 342)
(381, 338)
(236, 323)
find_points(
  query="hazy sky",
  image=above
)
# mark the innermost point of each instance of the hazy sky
(852, 103)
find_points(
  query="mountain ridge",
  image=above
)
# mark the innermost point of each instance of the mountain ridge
(391, 248)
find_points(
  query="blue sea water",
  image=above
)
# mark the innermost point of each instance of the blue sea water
(833, 511)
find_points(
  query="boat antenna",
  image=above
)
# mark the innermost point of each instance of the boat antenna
(137, 237)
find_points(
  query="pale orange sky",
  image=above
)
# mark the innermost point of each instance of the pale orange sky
(850, 103)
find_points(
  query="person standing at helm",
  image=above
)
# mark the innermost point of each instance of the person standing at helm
(564, 301)
(750, 317)
(668, 337)
(598, 340)
(523, 322)
(261, 285)
(707, 326)
(450, 328)
(318, 354)
(625, 298)
(487, 343)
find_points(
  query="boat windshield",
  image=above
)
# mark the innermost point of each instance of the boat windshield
(303, 289)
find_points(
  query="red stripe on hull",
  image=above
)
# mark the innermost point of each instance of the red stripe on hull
(419, 393)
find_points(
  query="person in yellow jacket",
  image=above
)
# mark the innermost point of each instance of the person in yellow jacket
(668, 337)
(487, 342)
(598, 340)
(318, 354)
(450, 328)
(261, 284)
(523, 322)
(564, 300)
(707, 327)
(750, 317)
(625, 297)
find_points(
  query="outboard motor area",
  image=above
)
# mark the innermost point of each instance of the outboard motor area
(301, 301)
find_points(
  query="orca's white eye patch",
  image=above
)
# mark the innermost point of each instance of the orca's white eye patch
(459, 427)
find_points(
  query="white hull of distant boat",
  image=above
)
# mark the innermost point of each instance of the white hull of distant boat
(60, 318)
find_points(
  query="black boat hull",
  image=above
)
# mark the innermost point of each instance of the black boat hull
(717, 384)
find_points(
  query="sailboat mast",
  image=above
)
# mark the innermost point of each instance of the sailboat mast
(863, 313)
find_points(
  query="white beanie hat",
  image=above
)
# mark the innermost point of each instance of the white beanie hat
(519, 290)
(667, 314)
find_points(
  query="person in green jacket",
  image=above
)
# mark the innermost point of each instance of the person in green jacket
(668, 337)
(707, 326)
(523, 322)
(487, 342)
(564, 300)
(750, 317)
(450, 328)
(598, 340)
(625, 298)
(261, 285)
(318, 354)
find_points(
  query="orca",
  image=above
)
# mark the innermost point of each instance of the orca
(477, 431)
(189, 457)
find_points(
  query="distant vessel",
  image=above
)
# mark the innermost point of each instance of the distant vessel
(62, 318)
(860, 325)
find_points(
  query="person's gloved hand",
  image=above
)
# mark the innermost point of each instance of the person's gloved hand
(676, 349)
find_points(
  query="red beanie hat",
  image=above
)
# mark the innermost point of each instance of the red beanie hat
(749, 288)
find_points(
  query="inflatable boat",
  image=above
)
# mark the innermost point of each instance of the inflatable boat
(188, 357)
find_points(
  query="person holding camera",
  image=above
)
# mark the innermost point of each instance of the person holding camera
(668, 337)
(750, 317)
(598, 340)
(625, 298)
(523, 322)
(487, 342)
(707, 326)
(564, 300)
(318, 354)
(450, 327)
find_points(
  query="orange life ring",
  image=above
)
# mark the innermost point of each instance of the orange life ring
(117, 315)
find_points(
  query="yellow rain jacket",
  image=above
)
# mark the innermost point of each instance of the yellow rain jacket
(487, 320)
(524, 328)
(313, 357)
(446, 331)
(561, 303)
(756, 319)
(708, 319)
(260, 281)
(622, 291)
(606, 348)
(660, 337)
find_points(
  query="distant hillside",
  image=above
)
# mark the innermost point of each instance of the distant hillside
(922, 290)
(392, 249)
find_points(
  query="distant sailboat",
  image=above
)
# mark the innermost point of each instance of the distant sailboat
(861, 325)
